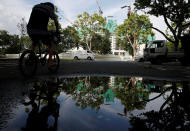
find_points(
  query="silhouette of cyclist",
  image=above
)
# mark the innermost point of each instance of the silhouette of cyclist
(37, 27)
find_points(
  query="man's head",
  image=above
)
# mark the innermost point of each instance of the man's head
(49, 4)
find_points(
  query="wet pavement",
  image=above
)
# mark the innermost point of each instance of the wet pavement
(9, 70)
(94, 103)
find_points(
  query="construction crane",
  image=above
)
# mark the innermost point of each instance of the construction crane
(100, 10)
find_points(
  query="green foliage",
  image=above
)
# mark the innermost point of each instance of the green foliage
(176, 14)
(171, 46)
(88, 25)
(101, 44)
(13, 49)
(123, 43)
(51, 24)
(10, 43)
(22, 27)
(130, 94)
(134, 31)
(135, 26)
(69, 39)
(25, 42)
(87, 91)
(4, 38)
(175, 10)
(14, 45)
(52, 27)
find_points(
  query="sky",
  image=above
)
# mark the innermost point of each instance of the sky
(11, 12)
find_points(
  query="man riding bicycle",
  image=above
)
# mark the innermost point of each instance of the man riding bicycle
(37, 27)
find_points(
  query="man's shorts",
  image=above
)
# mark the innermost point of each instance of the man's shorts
(37, 35)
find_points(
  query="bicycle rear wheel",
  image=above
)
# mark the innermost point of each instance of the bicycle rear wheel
(56, 61)
(28, 63)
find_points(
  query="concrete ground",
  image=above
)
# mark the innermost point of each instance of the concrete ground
(171, 71)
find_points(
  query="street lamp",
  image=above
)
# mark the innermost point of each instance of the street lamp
(129, 9)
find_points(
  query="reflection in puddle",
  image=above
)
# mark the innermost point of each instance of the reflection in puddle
(99, 103)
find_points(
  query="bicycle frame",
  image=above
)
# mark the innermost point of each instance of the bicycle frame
(42, 59)
(29, 60)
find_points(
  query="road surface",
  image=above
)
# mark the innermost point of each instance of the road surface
(9, 70)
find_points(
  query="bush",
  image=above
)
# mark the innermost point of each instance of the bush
(15, 49)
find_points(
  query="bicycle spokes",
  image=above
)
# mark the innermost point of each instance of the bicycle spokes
(28, 63)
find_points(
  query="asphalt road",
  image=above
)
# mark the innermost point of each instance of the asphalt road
(173, 71)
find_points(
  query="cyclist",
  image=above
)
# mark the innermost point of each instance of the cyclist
(37, 27)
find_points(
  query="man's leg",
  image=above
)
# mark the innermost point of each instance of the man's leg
(33, 46)
(50, 62)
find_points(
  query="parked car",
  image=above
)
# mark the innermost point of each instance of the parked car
(157, 52)
(83, 54)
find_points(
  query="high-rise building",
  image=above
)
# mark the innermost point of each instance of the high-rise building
(112, 27)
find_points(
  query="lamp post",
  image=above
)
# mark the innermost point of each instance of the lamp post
(129, 10)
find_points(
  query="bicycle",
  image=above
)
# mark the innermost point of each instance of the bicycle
(29, 60)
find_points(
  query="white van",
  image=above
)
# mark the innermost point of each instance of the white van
(83, 54)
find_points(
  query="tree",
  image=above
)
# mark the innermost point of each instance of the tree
(9, 43)
(22, 27)
(87, 91)
(131, 94)
(88, 24)
(123, 43)
(101, 44)
(134, 30)
(23, 31)
(69, 39)
(4, 38)
(14, 46)
(51, 24)
(176, 14)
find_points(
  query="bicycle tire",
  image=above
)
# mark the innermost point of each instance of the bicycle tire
(28, 59)
(56, 60)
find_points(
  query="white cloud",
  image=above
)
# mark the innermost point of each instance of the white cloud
(11, 13)
(13, 10)
(69, 10)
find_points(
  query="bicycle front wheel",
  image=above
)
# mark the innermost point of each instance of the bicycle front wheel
(56, 61)
(28, 63)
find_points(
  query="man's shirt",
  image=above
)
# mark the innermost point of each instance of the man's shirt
(39, 17)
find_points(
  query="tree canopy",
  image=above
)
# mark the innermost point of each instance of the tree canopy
(101, 44)
(69, 39)
(134, 31)
(88, 25)
(176, 12)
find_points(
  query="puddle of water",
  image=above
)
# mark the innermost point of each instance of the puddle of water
(94, 103)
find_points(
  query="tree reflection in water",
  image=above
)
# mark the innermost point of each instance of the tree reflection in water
(87, 91)
(43, 97)
(133, 93)
(95, 91)
(174, 114)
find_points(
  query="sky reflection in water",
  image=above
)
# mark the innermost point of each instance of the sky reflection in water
(94, 103)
